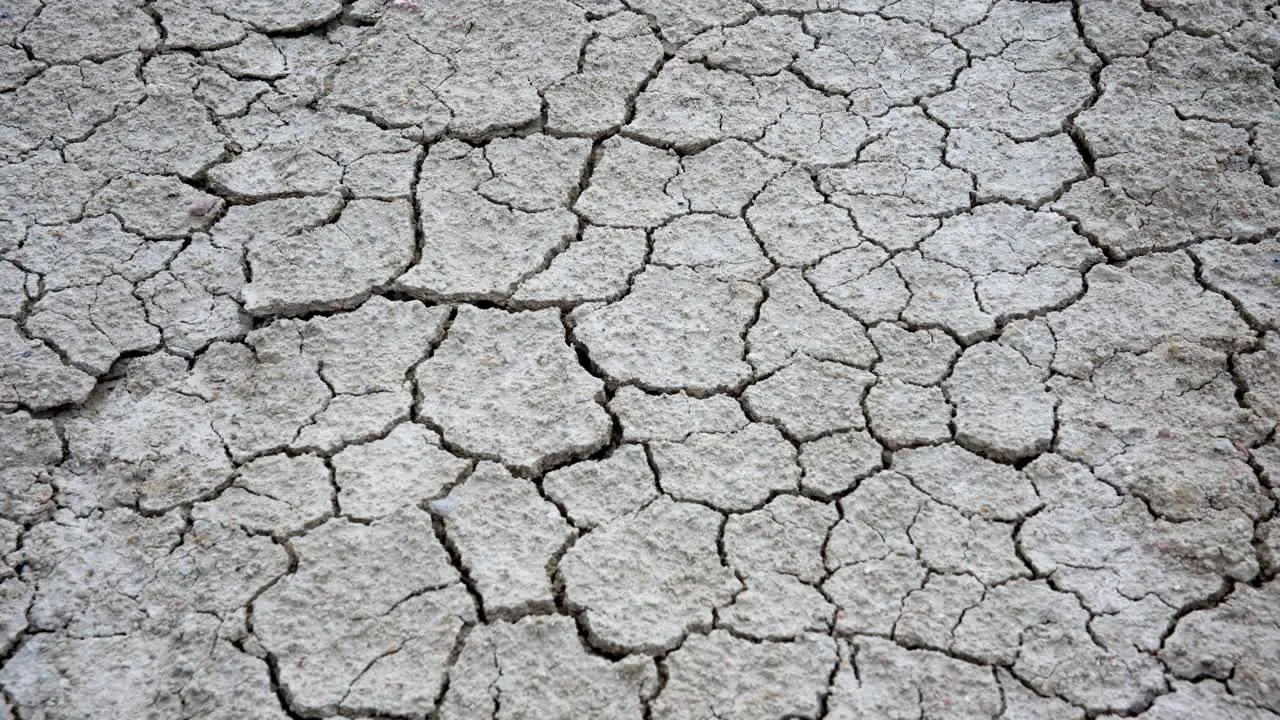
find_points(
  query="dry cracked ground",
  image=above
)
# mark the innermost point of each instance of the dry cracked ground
(639, 359)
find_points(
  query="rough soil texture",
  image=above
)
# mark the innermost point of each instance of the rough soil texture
(640, 359)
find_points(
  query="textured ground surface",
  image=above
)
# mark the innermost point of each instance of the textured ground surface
(639, 359)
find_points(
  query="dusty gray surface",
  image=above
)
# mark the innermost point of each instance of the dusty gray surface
(642, 359)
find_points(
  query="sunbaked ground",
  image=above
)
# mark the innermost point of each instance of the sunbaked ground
(639, 359)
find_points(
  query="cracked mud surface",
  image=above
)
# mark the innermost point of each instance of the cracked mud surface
(639, 359)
